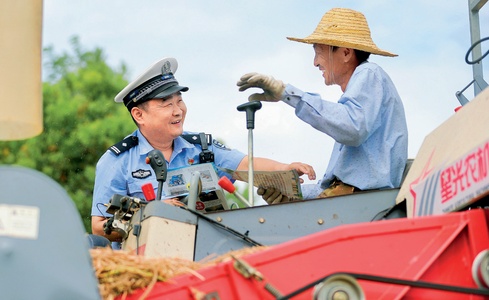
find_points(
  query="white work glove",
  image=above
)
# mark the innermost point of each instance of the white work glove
(272, 196)
(272, 88)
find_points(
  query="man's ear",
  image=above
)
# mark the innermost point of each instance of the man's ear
(348, 54)
(137, 114)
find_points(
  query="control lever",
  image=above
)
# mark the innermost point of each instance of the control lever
(250, 108)
(195, 190)
(157, 161)
(227, 185)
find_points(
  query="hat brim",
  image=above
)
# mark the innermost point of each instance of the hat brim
(330, 42)
(158, 94)
(168, 91)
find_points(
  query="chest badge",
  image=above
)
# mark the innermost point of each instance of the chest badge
(141, 174)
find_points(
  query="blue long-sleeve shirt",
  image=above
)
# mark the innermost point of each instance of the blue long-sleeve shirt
(368, 124)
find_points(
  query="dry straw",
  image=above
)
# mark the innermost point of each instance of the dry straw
(120, 273)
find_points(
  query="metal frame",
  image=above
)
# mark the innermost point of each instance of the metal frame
(475, 36)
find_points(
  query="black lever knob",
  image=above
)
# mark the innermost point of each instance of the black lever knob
(250, 108)
(157, 161)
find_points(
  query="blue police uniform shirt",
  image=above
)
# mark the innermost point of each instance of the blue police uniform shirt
(368, 125)
(126, 173)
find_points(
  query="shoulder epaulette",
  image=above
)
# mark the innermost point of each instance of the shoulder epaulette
(124, 145)
(198, 138)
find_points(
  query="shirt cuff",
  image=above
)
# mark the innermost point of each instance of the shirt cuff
(292, 95)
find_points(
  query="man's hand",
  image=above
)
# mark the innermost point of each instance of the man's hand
(272, 88)
(98, 229)
(302, 169)
(272, 196)
(174, 202)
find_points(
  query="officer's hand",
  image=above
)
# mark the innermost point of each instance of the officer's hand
(174, 202)
(302, 169)
(272, 196)
(272, 88)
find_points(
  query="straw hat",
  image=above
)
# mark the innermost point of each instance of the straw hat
(344, 27)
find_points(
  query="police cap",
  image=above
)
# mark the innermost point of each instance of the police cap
(156, 82)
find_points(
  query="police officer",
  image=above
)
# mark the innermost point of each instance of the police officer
(155, 103)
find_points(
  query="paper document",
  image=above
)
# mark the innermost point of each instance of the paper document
(285, 181)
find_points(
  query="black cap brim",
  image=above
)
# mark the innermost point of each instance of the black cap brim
(167, 91)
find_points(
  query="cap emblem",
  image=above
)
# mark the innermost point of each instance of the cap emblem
(166, 68)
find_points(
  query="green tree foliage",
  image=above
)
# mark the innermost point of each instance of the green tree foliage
(81, 120)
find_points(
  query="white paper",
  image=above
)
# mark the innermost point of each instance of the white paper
(19, 221)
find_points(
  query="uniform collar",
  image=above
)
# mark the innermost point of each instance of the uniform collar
(145, 147)
(180, 143)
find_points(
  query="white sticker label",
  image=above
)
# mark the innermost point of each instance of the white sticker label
(19, 221)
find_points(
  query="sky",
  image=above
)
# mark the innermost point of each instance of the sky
(216, 42)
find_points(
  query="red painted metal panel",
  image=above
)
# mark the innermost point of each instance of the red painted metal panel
(435, 249)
